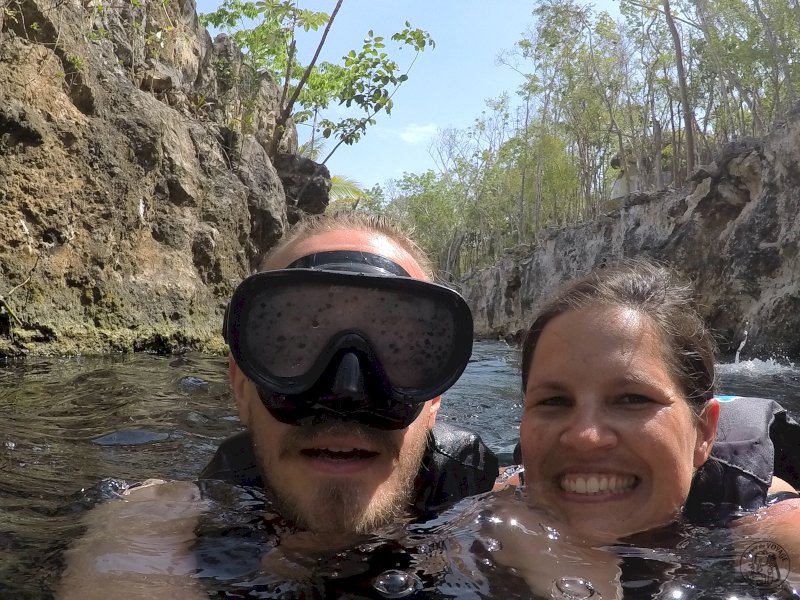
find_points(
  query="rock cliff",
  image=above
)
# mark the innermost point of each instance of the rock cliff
(135, 190)
(735, 232)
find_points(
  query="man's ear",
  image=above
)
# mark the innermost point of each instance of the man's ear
(706, 432)
(239, 383)
(432, 409)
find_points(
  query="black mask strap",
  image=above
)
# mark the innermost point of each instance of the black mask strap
(351, 261)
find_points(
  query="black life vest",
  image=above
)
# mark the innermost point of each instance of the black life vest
(456, 464)
(756, 440)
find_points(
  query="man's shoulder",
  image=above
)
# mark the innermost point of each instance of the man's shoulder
(234, 462)
(458, 465)
(463, 446)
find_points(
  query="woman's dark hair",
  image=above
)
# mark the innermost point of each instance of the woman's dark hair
(653, 290)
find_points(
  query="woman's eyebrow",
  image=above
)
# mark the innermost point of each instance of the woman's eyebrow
(546, 385)
(633, 378)
(638, 377)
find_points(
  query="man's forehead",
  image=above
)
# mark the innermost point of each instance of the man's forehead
(346, 239)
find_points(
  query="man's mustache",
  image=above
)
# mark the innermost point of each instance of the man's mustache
(306, 436)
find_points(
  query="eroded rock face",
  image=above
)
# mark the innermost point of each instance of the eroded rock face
(736, 235)
(131, 203)
(305, 183)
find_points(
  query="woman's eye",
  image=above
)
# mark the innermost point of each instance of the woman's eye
(635, 399)
(554, 401)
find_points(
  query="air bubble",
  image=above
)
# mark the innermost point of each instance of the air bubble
(573, 588)
(552, 532)
(492, 545)
(396, 584)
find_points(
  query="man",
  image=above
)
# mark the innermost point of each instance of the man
(340, 349)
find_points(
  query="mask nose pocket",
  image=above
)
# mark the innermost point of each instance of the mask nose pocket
(349, 379)
(353, 381)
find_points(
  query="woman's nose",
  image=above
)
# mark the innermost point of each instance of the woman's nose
(588, 429)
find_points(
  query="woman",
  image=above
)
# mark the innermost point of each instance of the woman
(619, 410)
(618, 374)
(619, 416)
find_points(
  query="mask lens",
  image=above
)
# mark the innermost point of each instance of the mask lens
(285, 327)
(412, 337)
(285, 331)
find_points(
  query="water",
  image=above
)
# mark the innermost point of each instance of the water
(66, 424)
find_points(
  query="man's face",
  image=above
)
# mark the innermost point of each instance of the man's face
(336, 476)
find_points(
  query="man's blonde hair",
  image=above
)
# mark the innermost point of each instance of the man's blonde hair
(360, 221)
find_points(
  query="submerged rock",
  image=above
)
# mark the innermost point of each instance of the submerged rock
(131, 437)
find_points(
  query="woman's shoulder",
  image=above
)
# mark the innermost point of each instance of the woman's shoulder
(778, 523)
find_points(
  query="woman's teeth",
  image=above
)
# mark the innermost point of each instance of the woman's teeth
(597, 484)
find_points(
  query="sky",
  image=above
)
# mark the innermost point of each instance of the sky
(447, 86)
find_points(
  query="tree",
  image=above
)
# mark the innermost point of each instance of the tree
(425, 201)
(684, 88)
(365, 80)
(653, 96)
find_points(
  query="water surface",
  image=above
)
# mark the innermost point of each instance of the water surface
(67, 424)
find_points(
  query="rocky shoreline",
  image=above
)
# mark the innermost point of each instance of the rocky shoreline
(735, 231)
(136, 192)
(135, 186)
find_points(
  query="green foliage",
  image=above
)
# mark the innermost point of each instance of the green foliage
(75, 61)
(347, 193)
(267, 44)
(595, 90)
(368, 80)
(427, 201)
(365, 80)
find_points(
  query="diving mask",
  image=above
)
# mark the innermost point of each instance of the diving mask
(349, 335)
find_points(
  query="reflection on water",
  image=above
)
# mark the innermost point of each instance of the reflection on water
(56, 419)
(67, 424)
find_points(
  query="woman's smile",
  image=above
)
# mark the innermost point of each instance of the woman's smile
(597, 485)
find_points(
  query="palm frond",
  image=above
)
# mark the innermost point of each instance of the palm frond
(345, 189)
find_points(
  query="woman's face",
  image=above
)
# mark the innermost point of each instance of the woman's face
(609, 443)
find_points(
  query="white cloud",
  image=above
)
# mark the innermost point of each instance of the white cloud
(418, 134)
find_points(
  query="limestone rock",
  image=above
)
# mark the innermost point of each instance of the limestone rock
(736, 235)
(306, 184)
(135, 191)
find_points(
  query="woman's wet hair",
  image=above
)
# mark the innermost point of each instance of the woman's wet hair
(336, 220)
(655, 291)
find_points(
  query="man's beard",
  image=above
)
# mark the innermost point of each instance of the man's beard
(347, 506)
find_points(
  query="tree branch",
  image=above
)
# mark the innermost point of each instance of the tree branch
(286, 112)
(661, 10)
